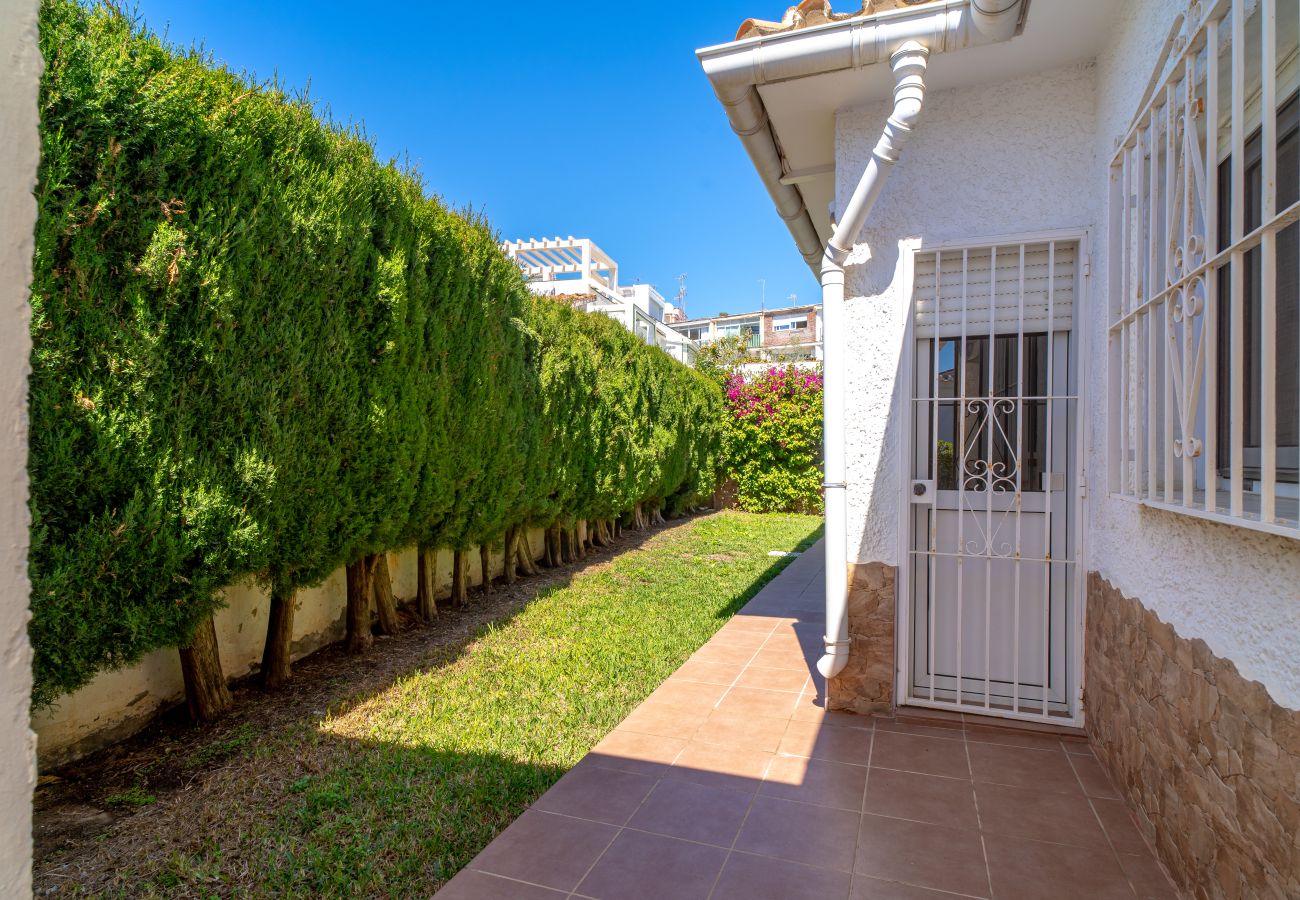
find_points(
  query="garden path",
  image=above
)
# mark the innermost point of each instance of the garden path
(732, 781)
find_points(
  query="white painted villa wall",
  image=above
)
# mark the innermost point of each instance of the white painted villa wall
(963, 176)
(1236, 589)
(118, 703)
(20, 71)
(1018, 157)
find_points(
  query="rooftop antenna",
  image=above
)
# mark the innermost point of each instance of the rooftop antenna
(762, 288)
(793, 299)
(681, 293)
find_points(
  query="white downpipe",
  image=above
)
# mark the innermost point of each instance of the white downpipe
(908, 62)
(906, 37)
(736, 70)
(996, 19)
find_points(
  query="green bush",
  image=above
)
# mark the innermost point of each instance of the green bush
(259, 351)
(772, 440)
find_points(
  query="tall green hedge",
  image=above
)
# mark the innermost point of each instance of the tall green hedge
(259, 351)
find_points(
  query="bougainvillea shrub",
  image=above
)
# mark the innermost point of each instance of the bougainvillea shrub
(772, 439)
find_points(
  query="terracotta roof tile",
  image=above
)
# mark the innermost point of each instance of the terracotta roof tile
(816, 12)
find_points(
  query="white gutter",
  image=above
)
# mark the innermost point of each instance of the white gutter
(907, 38)
(736, 70)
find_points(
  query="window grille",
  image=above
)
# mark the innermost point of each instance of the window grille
(1204, 336)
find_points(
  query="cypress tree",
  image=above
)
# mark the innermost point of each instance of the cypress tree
(260, 352)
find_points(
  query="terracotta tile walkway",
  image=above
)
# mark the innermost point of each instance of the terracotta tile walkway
(732, 783)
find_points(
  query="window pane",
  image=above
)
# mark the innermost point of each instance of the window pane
(1287, 291)
(969, 440)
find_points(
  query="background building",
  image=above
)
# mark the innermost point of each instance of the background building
(792, 334)
(579, 271)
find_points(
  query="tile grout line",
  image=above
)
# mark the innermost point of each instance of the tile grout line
(767, 768)
(620, 829)
(617, 834)
(658, 781)
(1105, 833)
(979, 820)
(510, 878)
(894, 818)
(862, 811)
(743, 667)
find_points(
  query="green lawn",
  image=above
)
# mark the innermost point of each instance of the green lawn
(392, 796)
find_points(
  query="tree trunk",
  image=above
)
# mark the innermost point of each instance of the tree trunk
(425, 602)
(277, 653)
(385, 606)
(459, 579)
(526, 561)
(205, 684)
(576, 542)
(510, 564)
(485, 565)
(551, 558)
(566, 545)
(359, 637)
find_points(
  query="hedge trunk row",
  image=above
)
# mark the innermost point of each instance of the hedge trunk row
(260, 351)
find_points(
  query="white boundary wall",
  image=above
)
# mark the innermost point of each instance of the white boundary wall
(20, 69)
(119, 703)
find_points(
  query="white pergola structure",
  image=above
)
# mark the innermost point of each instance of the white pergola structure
(575, 264)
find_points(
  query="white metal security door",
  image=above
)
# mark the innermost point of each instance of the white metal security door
(993, 495)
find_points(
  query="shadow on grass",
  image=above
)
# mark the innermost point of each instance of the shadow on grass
(391, 819)
(363, 813)
(779, 565)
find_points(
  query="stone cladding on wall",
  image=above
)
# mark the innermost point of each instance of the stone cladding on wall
(1208, 761)
(867, 683)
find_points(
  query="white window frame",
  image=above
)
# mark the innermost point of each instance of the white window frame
(1167, 382)
(790, 323)
(740, 326)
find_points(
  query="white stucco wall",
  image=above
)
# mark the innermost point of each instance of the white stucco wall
(1237, 590)
(1022, 156)
(118, 703)
(1014, 157)
(20, 68)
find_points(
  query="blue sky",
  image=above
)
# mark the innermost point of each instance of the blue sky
(555, 118)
